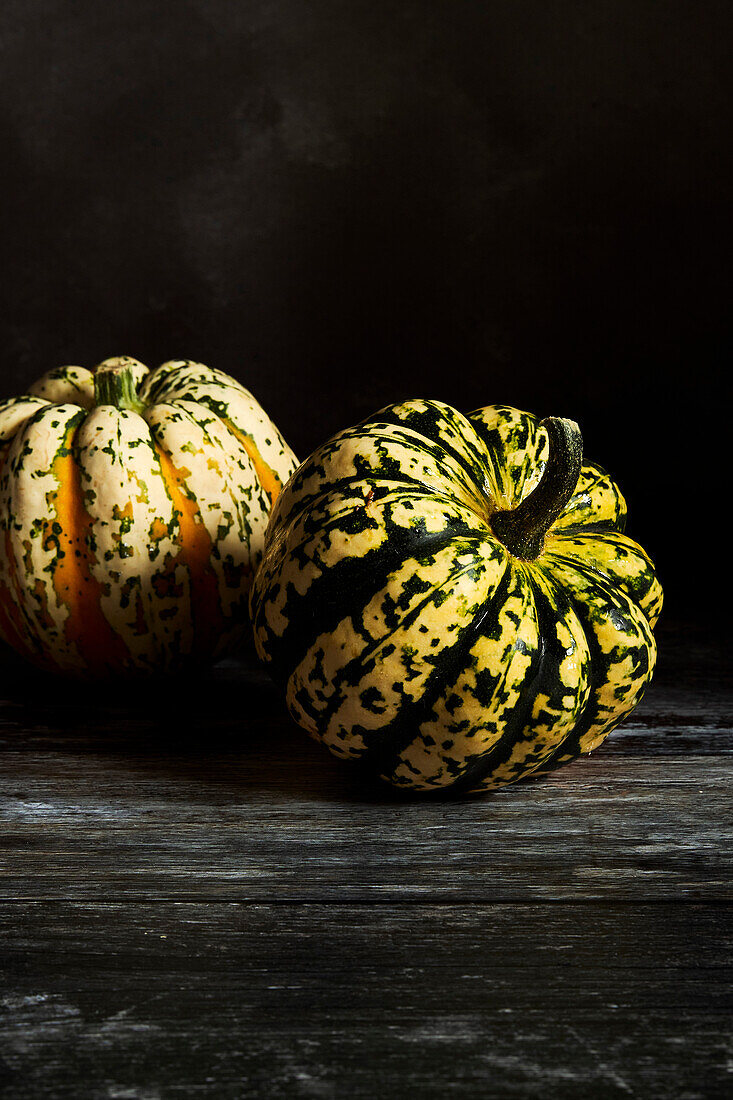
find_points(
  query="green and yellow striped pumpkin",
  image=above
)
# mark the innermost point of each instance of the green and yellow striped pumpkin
(133, 506)
(452, 599)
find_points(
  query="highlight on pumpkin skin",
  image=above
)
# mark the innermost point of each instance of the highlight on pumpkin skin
(133, 505)
(409, 635)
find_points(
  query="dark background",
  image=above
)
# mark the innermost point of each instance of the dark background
(346, 203)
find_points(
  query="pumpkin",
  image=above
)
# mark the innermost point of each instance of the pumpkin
(452, 600)
(133, 506)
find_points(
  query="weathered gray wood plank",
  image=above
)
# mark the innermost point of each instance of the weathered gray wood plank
(247, 826)
(213, 792)
(213, 795)
(328, 1001)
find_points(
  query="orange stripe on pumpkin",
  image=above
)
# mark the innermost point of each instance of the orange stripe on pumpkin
(266, 476)
(86, 627)
(195, 546)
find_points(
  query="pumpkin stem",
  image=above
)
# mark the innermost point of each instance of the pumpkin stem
(523, 529)
(115, 384)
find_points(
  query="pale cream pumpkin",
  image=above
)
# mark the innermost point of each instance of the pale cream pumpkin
(133, 506)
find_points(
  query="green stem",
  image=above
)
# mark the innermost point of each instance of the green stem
(523, 529)
(115, 384)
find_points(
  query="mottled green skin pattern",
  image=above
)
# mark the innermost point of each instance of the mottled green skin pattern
(129, 536)
(409, 637)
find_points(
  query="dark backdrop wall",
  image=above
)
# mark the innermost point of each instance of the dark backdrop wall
(345, 203)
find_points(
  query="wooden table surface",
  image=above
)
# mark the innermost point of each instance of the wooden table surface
(199, 901)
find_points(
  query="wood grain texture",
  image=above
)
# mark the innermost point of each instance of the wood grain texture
(223, 827)
(329, 1001)
(198, 901)
(172, 796)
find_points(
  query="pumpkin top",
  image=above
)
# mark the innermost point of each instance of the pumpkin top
(115, 383)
